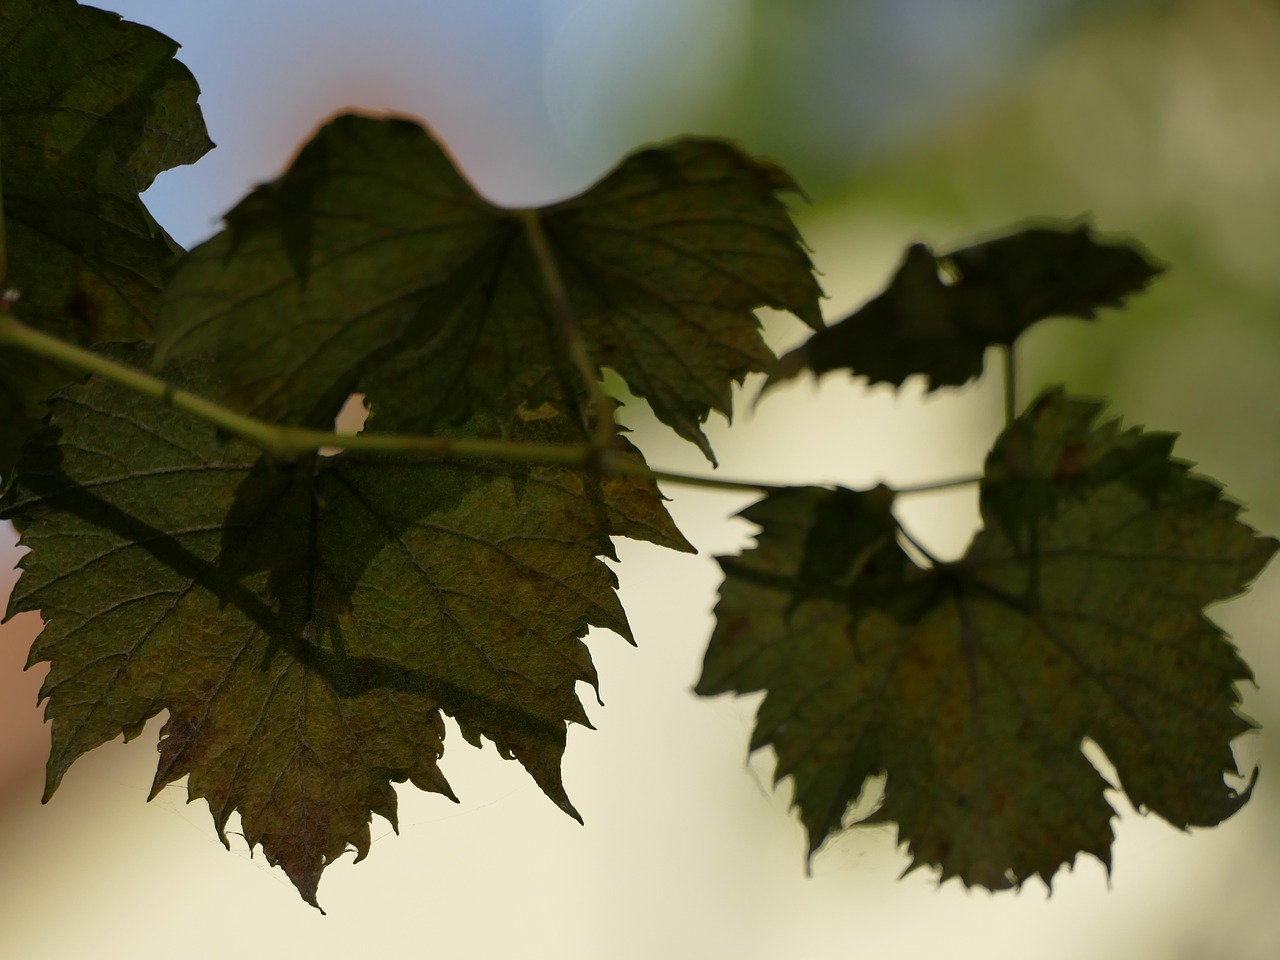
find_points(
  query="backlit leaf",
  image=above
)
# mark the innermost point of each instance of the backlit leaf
(1077, 612)
(941, 313)
(371, 265)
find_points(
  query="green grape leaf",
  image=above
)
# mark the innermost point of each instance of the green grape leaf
(404, 284)
(1077, 612)
(305, 624)
(92, 108)
(941, 313)
(633, 506)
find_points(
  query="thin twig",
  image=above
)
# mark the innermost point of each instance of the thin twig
(906, 535)
(1010, 385)
(937, 485)
(290, 442)
(284, 441)
(4, 249)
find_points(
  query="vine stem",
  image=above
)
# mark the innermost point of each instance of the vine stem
(290, 442)
(938, 485)
(1010, 385)
(603, 428)
(924, 552)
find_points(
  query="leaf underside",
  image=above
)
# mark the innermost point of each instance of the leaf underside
(305, 625)
(92, 109)
(1077, 612)
(405, 285)
(941, 313)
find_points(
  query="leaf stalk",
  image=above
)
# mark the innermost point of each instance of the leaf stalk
(603, 427)
(1010, 384)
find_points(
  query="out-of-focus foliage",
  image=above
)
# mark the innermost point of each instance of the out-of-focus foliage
(1076, 612)
(940, 313)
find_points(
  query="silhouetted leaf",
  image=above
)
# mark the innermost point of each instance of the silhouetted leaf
(1077, 612)
(92, 108)
(304, 623)
(398, 281)
(941, 313)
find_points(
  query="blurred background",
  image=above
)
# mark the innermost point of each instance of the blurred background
(933, 120)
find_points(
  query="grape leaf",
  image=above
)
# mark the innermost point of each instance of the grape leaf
(304, 624)
(92, 109)
(1077, 612)
(406, 286)
(940, 313)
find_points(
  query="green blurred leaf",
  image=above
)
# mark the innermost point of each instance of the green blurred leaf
(92, 108)
(304, 624)
(375, 255)
(1077, 612)
(941, 313)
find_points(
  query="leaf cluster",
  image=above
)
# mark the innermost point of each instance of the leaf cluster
(306, 619)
